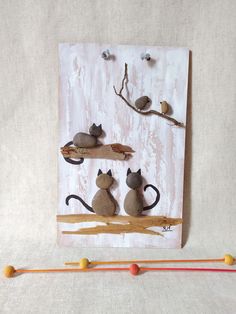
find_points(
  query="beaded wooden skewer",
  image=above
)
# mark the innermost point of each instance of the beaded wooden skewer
(134, 269)
(84, 262)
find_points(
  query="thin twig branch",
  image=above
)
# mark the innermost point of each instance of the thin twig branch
(124, 78)
(145, 113)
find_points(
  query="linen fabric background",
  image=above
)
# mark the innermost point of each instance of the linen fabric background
(29, 35)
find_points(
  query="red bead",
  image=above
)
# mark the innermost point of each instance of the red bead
(134, 269)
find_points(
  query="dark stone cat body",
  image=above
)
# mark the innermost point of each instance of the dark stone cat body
(133, 203)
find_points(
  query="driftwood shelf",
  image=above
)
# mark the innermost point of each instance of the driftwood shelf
(112, 151)
(118, 224)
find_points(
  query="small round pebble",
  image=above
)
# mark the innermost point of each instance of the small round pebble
(164, 107)
(83, 263)
(9, 271)
(229, 260)
(134, 269)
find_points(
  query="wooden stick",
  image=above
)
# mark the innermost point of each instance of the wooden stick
(64, 270)
(126, 224)
(113, 229)
(84, 262)
(187, 269)
(112, 151)
(79, 270)
(10, 271)
(161, 261)
(146, 221)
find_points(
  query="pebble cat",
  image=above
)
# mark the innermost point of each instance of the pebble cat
(133, 203)
(85, 140)
(103, 203)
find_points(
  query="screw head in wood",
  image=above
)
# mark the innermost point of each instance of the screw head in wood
(146, 56)
(106, 54)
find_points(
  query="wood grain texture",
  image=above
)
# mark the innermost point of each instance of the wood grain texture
(86, 96)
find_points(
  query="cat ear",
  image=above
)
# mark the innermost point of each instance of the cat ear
(128, 171)
(139, 172)
(100, 126)
(99, 172)
(109, 173)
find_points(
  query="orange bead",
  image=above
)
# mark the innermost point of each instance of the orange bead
(134, 269)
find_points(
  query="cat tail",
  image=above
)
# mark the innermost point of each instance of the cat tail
(79, 199)
(71, 161)
(157, 197)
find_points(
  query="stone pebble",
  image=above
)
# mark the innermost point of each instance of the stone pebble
(141, 102)
(103, 203)
(84, 140)
(133, 204)
(104, 181)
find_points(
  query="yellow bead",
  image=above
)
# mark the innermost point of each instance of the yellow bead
(9, 271)
(83, 263)
(229, 260)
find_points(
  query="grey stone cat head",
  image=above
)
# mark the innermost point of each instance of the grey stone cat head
(95, 130)
(134, 179)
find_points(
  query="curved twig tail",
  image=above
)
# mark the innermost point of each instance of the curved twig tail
(79, 199)
(71, 161)
(157, 197)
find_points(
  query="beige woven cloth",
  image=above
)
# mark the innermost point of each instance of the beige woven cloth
(29, 34)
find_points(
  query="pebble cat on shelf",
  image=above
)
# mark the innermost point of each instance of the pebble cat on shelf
(133, 203)
(85, 140)
(103, 203)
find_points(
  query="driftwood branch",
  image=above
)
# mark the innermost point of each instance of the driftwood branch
(149, 112)
(112, 151)
(119, 224)
(114, 229)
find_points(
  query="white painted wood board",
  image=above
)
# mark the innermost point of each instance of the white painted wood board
(86, 96)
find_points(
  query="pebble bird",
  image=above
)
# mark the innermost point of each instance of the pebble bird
(141, 102)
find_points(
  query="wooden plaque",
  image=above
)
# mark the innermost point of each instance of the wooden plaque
(86, 96)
